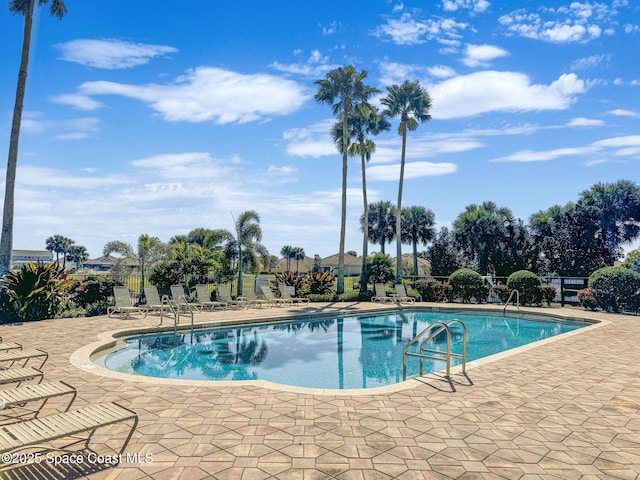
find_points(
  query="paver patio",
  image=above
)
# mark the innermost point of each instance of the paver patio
(566, 409)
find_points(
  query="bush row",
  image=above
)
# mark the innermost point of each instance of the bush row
(613, 289)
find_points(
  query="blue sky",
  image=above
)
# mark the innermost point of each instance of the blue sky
(140, 118)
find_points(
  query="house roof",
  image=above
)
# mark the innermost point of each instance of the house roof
(348, 260)
(110, 261)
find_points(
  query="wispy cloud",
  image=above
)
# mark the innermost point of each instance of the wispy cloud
(474, 5)
(211, 94)
(620, 112)
(317, 65)
(481, 55)
(412, 170)
(585, 122)
(589, 62)
(407, 30)
(110, 54)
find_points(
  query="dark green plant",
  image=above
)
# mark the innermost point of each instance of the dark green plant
(379, 268)
(587, 298)
(291, 279)
(432, 290)
(548, 294)
(502, 291)
(614, 287)
(164, 274)
(468, 284)
(92, 290)
(36, 291)
(528, 286)
(318, 283)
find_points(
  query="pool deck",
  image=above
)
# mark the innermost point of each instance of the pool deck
(568, 408)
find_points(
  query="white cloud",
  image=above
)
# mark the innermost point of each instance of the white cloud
(585, 122)
(110, 54)
(36, 176)
(577, 22)
(317, 65)
(211, 94)
(406, 30)
(412, 170)
(475, 5)
(481, 55)
(620, 112)
(395, 73)
(80, 102)
(589, 62)
(441, 71)
(495, 91)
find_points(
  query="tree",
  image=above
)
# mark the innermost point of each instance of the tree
(411, 103)
(442, 254)
(480, 230)
(298, 254)
(382, 219)
(26, 8)
(59, 244)
(207, 238)
(248, 234)
(366, 120)
(77, 254)
(417, 226)
(149, 250)
(287, 252)
(342, 88)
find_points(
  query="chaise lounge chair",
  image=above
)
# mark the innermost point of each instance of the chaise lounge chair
(401, 294)
(179, 299)
(25, 354)
(284, 293)
(154, 302)
(17, 398)
(204, 298)
(381, 294)
(250, 296)
(268, 294)
(123, 304)
(224, 295)
(19, 375)
(44, 430)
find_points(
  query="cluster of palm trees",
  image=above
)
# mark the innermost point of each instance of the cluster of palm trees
(292, 253)
(349, 97)
(60, 244)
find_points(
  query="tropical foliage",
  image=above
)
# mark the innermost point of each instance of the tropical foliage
(417, 227)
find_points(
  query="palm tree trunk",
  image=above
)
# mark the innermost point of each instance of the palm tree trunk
(6, 242)
(365, 239)
(415, 257)
(399, 209)
(343, 217)
(239, 287)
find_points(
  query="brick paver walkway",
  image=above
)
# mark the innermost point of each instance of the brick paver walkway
(566, 409)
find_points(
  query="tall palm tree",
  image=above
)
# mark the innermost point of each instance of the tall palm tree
(149, 250)
(58, 244)
(342, 88)
(411, 103)
(366, 120)
(417, 226)
(298, 254)
(287, 253)
(26, 8)
(248, 233)
(77, 254)
(381, 223)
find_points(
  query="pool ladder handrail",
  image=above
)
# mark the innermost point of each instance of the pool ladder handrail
(506, 304)
(431, 354)
(176, 311)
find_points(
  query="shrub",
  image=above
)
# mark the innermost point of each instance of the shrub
(327, 297)
(548, 294)
(587, 299)
(164, 274)
(352, 296)
(528, 286)
(468, 284)
(92, 290)
(318, 283)
(614, 287)
(380, 268)
(36, 291)
(432, 290)
(502, 291)
(290, 279)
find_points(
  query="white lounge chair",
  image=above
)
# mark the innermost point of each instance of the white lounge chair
(224, 295)
(284, 293)
(268, 294)
(13, 400)
(179, 299)
(123, 304)
(204, 298)
(401, 294)
(381, 294)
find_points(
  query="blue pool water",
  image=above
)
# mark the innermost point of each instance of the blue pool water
(347, 352)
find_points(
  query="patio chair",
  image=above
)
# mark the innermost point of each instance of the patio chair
(123, 304)
(24, 355)
(381, 294)
(204, 298)
(223, 294)
(19, 375)
(250, 296)
(42, 431)
(284, 293)
(179, 299)
(16, 398)
(401, 294)
(268, 295)
(6, 346)
(154, 302)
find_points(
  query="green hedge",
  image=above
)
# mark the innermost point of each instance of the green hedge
(615, 287)
(528, 286)
(468, 284)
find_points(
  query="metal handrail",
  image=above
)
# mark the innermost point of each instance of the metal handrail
(176, 315)
(186, 303)
(441, 326)
(463, 355)
(509, 299)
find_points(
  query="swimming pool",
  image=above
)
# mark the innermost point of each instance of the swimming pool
(362, 351)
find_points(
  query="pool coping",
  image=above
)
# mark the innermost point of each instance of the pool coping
(83, 358)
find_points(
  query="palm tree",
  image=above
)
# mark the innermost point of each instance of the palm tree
(411, 103)
(149, 250)
(58, 244)
(365, 120)
(298, 254)
(77, 254)
(343, 89)
(248, 233)
(287, 253)
(381, 222)
(417, 226)
(26, 8)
